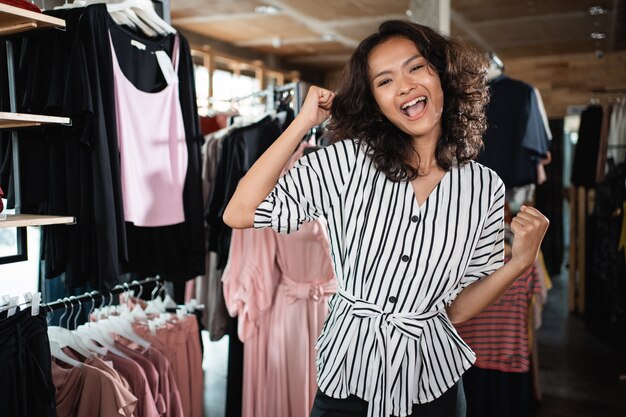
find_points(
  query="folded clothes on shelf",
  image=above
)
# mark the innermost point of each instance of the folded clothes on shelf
(22, 4)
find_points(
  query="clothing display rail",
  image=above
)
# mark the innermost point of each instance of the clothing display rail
(270, 95)
(295, 87)
(118, 289)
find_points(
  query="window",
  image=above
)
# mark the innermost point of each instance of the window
(227, 85)
(202, 89)
(18, 278)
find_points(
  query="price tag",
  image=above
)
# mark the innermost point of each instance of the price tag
(138, 45)
(167, 68)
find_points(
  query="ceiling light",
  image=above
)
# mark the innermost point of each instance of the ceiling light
(267, 10)
(329, 37)
(598, 35)
(597, 10)
(277, 42)
(409, 13)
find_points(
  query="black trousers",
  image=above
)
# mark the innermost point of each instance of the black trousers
(450, 404)
(26, 387)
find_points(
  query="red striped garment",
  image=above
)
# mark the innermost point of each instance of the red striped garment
(499, 334)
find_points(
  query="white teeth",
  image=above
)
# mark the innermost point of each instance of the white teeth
(413, 102)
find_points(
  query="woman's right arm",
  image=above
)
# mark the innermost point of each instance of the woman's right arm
(263, 175)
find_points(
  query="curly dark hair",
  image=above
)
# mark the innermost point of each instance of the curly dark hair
(462, 71)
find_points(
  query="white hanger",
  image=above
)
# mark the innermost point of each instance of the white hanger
(74, 4)
(64, 337)
(119, 326)
(12, 307)
(140, 12)
(119, 18)
(123, 19)
(99, 332)
(169, 302)
(124, 328)
(102, 335)
(11, 303)
(155, 306)
(83, 332)
(145, 10)
(129, 15)
(4, 301)
(65, 5)
(149, 14)
(35, 302)
(137, 312)
(57, 352)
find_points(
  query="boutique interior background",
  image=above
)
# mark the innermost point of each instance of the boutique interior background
(569, 49)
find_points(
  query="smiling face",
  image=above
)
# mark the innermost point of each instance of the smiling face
(406, 88)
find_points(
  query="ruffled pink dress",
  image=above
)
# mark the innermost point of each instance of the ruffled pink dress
(279, 285)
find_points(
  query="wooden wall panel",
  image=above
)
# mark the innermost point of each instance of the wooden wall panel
(566, 80)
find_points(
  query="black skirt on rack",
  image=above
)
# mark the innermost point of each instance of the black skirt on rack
(26, 387)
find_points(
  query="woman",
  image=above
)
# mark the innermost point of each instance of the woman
(416, 226)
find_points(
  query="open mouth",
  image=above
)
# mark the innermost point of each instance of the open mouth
(414, 107)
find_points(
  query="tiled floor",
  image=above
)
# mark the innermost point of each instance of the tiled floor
(579, 374)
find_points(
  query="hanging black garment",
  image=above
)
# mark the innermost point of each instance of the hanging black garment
(514, 140)
(84, 170)
(175, 252)
(586, 152)
(549, 200)
(605, 290)
(240, 149)
(26, 387)
(491, 393)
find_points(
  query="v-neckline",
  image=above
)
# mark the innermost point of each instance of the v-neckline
(420, 206)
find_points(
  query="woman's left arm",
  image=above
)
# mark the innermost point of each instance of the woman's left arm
(529, 227)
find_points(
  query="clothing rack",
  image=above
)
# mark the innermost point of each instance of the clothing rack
(295, 87)
(118, 289)
(270, 95)
(581, 206)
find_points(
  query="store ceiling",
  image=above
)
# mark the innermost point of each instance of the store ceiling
(322, 33)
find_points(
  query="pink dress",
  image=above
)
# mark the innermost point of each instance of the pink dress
(278, 286)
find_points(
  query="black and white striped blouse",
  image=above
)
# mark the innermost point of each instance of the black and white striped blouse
(387, 338)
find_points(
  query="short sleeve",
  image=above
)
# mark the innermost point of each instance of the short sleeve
(309, 189)
(489, 253)
(535, 139)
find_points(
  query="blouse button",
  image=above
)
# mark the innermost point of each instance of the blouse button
(414, 218)
(393, 299)
(405, 258)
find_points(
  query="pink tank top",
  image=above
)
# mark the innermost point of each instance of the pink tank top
(153, 151)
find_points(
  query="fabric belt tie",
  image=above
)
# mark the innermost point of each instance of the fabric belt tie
(410, 324)
(315, 290)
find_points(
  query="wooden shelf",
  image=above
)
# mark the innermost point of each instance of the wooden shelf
(15, 20)
(13, 120)
(21, 220)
